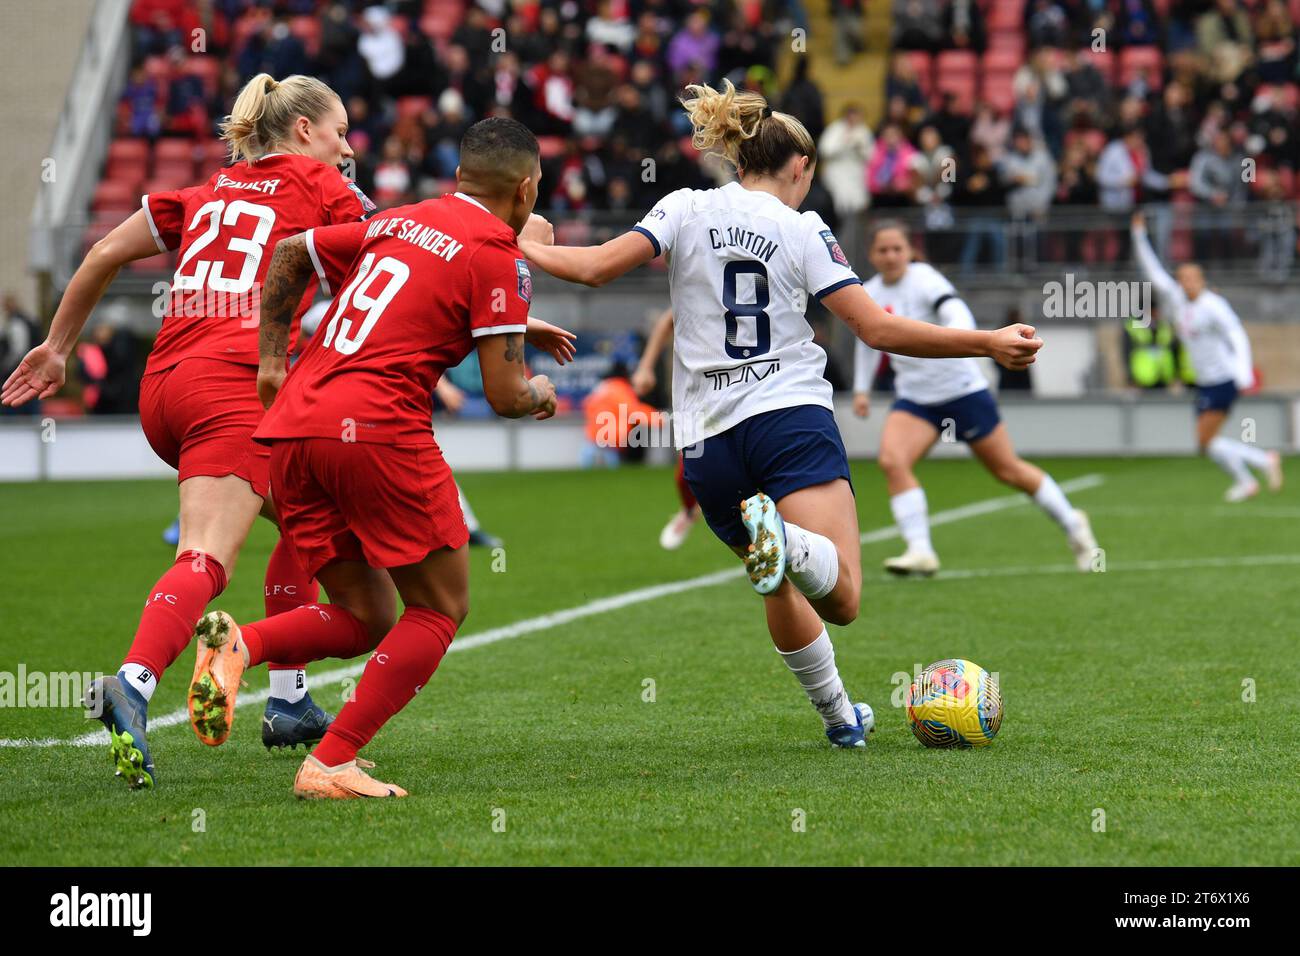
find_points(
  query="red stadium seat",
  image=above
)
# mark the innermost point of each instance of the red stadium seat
(413, 106)
(955, 72)
(1012, 40)
(999, 90)
(173, 150)
(206, 68)
(177, 172)
(114, 195)
(308, 30)
(1006, 15)
(550, 146)
(1134, 59)
(922, 65)
(1000, 61)
(1105, 62)
(127, 151)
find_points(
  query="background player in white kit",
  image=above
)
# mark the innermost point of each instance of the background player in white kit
(1220, 353)
(752, 410)
(939, 394)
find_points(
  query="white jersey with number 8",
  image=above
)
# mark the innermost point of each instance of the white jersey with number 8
(741, 267)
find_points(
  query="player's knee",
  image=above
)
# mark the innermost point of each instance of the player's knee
(892, 463)
(841, 607)
(1009, 473)
(459, 610)
(377, 621)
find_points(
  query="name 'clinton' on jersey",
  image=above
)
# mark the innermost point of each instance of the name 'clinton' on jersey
(741, 267)
(918, 294)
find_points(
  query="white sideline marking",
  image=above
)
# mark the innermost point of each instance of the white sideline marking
(557, 618)
(1173, 564)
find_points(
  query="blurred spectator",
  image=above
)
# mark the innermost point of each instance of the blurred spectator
(380, 44)
(1225, 39)
(695, 44)
(848, 29)
(843, 154)
(989, 131)
(978, 194)
(1029, 173)
(804, 100)
(1275, 35)
(963, 26)
(615, 415)
(889, 172)
(918, 25)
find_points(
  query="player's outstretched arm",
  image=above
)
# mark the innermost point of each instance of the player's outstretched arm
(1013, 346)
(42, 371)
(286, 281)
(590, 265)
(506, 385)
(1147, 259)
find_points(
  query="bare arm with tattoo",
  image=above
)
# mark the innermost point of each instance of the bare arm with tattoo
(506, 385)
(286, 281)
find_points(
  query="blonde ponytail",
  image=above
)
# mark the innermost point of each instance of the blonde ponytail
(266, 108)
(743, 129)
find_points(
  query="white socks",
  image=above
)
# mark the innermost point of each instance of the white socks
(1051, 499)
(814, 667)
(471, 520)
(140, 677)
(812, 563)
(912, 515)
(289, 685)
(1234, 457)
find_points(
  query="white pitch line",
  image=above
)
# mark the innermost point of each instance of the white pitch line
(554, 619)
(1172, 564)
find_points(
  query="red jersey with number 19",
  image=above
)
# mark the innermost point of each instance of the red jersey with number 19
(225, 230)
(414, 287)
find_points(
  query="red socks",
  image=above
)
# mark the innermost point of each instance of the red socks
(173, 608)
(683, 486)
(402, 663)
(308, 633)
(287, 587)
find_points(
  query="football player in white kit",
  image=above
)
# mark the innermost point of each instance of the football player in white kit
(751, 408)
(1220, 353)
(938, 395)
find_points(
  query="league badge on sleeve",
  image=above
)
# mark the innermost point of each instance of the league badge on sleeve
(833, 247)
(525, 280)
(367, 205)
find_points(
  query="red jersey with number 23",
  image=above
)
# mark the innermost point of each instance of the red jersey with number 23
(226, 229)
(413, 287)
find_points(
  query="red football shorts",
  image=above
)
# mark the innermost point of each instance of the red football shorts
(386, 505)
(200, 415)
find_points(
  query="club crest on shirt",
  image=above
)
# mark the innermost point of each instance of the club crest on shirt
(525, 280)
(833, 247)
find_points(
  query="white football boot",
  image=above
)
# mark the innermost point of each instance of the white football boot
(913, 561)
(678, 528)
(1082, 542)
(765, 560)
(1241, 491)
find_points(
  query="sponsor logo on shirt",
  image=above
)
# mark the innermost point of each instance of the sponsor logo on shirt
(525, 280)
(833, 247)
(266, 186)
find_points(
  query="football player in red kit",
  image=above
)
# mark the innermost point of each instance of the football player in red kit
(366, 498)
(198, 397)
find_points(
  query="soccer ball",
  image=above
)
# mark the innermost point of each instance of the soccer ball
(955, 703)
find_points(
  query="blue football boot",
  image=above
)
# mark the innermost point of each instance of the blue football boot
(124, 711)
(853, 735)
(288, 725)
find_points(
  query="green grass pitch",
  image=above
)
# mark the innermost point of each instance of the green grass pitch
(1125, 692)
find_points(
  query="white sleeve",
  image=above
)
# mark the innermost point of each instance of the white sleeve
(866, 361)
(661, 223)
(955, 314)
(826, 268)
(1151, 268)
(1232, 329)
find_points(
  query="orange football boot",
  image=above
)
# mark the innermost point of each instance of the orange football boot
(217, 674)
(315, 781)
